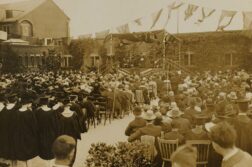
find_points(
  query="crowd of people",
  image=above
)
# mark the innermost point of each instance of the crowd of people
(38, 107)
(204, 106)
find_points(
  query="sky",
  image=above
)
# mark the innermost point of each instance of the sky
(90, 16)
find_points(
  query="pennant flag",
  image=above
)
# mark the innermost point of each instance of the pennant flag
(225, 19)
(173, 6)
(205, 14)
(190, 10)
(247, 20)
(138, 21)
(102, 34)
(123, 29)
(170, 38)
(247, 24)
(155, 17)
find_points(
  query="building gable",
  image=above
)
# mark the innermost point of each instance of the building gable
(48, 21)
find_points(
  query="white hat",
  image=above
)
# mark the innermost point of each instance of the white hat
(175, 112)
(209, 126)
(149, 115)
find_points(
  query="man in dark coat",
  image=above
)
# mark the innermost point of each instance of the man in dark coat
(182, 124)
(242, 124)
(137, 123)
(149, 129)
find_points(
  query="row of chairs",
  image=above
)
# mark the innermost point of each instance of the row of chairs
(167, 147)
(103, 109)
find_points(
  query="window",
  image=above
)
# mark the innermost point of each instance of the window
(26, 28)
(9, 14)
(228, 59)
(6, 28)
(189, 59)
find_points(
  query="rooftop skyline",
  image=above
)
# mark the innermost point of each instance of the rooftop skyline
(90, 16)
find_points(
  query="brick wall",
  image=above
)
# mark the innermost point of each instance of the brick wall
(209, 49)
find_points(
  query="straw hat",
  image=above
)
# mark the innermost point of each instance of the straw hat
(175, 112)
(149, 115)
(209, 126)
(232, 96)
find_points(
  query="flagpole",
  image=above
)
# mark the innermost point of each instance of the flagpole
(178, 20)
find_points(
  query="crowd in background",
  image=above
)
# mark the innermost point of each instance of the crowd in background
(176, 105)
(192, 105)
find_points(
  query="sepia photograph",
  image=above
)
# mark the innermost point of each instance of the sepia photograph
(125, 83)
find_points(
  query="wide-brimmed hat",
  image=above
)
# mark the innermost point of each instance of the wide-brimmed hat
(149, 115)
(232, 96)
(209, 126)
(225, 110)
(175, 112)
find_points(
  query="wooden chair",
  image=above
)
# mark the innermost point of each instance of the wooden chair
(202, 151)
(167, 147)
(150, 140)
(102, 107)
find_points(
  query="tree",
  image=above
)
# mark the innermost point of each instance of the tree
(79, 48)
(10, 62)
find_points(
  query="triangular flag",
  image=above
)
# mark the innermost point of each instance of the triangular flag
(247, 20)
(155, 17)
(123, 29)
(247, 24)
(173, 6)
(225, 19)
(102, 34)
(190, 10)
(205, 14)
(138, 21)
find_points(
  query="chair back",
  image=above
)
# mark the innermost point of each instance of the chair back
(167, 147)
(202, 150)
(150, 140)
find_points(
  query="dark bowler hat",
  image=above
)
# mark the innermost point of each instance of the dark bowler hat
(12, 98)
(243, 104)
(43, 100)
(2, 98)
(200, 118)
(227, 110)
(26, 98)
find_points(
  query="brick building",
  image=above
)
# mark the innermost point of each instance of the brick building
(36, 21)
(211, 50)
(194, 51)
(42, 25)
